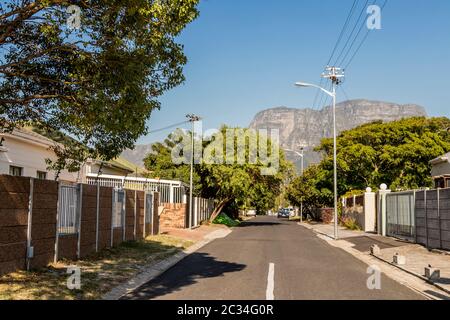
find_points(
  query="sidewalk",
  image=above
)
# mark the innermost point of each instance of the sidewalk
(200, 236)
(417, 256)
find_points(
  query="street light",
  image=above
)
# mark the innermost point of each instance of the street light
(191, 118)
(334, 75)
(301, 173)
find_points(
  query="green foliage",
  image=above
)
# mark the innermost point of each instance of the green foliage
(396, 153)
(159, 162)
(99, 83)
(230, 182)
(225, 220)
(350, 223)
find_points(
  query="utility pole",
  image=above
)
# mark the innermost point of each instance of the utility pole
(192, 118)
(301, 172)
(334, 74)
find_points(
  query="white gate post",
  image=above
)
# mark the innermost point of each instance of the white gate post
(382, 223)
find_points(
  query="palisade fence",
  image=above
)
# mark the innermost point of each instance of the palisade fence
(44, 221)
(170, 191)
(202, 210)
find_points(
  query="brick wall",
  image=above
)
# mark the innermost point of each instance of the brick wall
(174, 216)
(14, 214)
(105, 218)
(14, 195)
(43, 227)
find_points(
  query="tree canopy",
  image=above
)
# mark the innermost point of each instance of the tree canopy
(97, 82)
(224, 177)
(396, 153)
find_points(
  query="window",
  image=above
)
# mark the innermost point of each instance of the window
(448, 183)
(15, 171)
(42, 175)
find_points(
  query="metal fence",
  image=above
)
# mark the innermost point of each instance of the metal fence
(118, 208)
(69, 209)
(202, 210)
(400, 215)
(148, 207)
(170, 191)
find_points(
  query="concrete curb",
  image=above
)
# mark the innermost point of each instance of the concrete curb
(412, 273)
(160, 267)
(360, 255)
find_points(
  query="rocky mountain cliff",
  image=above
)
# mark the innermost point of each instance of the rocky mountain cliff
(306, 127)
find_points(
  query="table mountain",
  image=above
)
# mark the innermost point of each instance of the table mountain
(306, 127)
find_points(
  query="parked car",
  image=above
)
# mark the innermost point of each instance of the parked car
(283, 213)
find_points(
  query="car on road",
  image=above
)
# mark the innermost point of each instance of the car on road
(283, 213)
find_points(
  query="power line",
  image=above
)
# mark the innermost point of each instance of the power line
(344, 28)
(362, 42)
(363, 24)
(353, 31)
(169, 127)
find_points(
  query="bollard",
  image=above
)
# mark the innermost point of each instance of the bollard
(375, 250)
(399, 260)
(432, 273)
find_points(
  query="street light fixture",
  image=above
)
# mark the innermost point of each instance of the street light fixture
(191, 118)
(301, 172)
(335, 76)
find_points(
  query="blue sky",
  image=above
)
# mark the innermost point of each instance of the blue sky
(245, 56)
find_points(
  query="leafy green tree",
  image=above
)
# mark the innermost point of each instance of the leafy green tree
(98, 82)
(159, 161)
(396, 153)
(234, 181)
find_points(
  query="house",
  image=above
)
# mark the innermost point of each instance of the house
(440, 171)
(23, 153)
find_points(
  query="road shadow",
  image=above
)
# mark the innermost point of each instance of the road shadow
(186, 273)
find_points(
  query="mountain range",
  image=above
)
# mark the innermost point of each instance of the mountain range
(305, 128)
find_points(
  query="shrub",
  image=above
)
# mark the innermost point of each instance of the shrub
(350, 223)
(226, 220)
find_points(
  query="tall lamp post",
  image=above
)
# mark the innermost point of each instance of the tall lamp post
(301, 155)
(192, 118)
(335, 75)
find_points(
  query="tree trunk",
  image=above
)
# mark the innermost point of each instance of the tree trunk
(218, 210)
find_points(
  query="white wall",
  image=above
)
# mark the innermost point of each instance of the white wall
(31, 157)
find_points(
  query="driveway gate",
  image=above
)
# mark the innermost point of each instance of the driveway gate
(400, 215)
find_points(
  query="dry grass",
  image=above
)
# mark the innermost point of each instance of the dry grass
(99, 273)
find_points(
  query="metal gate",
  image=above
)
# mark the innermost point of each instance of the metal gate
(400, 215)
(118, 208)
(148, 212)
(68, 210)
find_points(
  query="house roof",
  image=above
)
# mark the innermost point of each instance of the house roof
(441, 159)
(28, 133)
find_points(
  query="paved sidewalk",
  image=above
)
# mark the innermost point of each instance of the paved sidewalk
(195, 235)
(328, 230)
(201, 236)
(417, 256)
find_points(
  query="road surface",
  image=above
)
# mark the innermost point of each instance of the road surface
(269, 258)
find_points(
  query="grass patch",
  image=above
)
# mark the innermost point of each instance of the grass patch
(226, 220)
(99, 273)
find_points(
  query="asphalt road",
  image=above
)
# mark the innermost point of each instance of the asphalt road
(269, 256)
